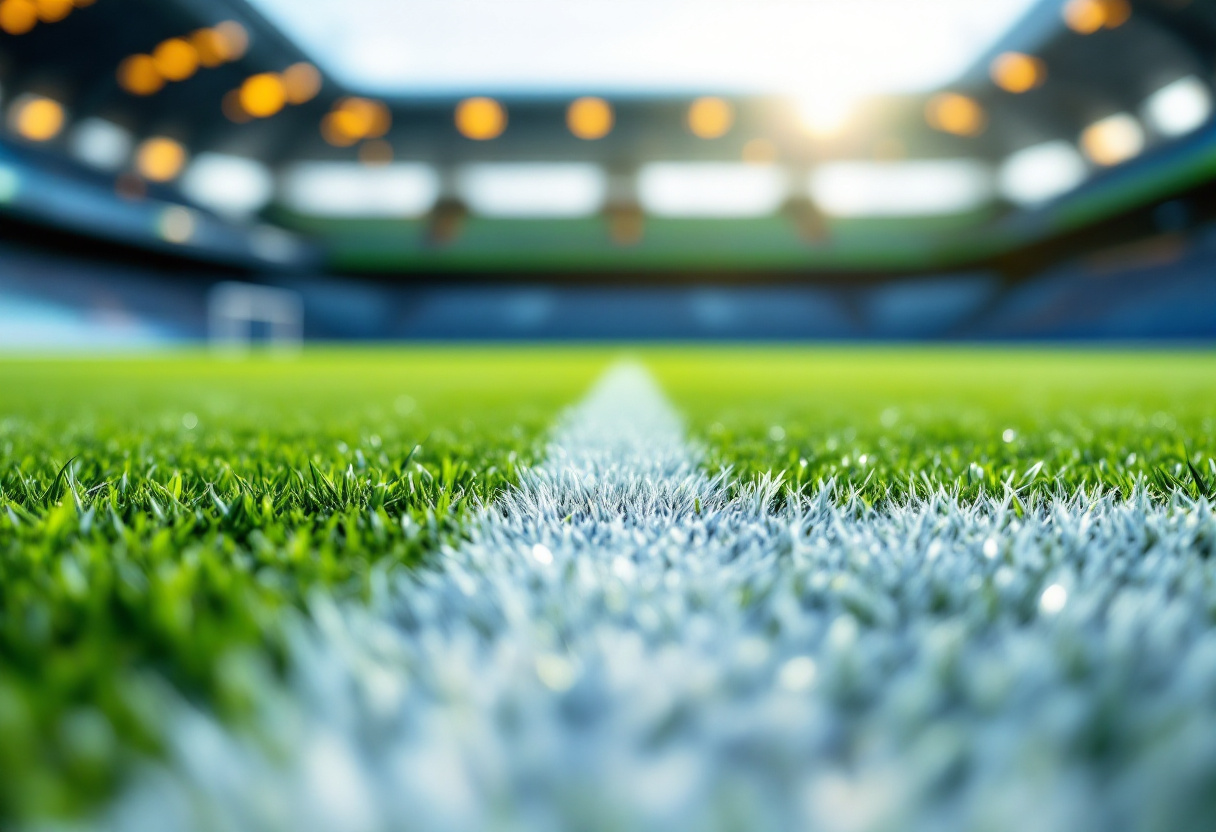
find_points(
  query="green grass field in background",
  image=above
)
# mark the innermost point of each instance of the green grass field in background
(897, 422)
(158, 515)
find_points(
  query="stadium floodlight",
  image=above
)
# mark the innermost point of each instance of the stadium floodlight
(825, 114)
(231, 185)
(36, 118)
(1179, 107)
(901, 189)
(1036, 174)
(533, 189)
(101, 144)
(711, 189)
(1113, 140)
(351, 190)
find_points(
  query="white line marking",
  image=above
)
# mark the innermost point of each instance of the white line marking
(623, 645)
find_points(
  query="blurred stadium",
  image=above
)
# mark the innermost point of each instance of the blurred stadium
(183, 169)
(561, 547)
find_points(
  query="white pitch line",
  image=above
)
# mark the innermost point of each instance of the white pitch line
(624, 645)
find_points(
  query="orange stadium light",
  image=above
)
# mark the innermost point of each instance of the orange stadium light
(263, 95)
(480, 119)
(175, 59)
(160, 159)
(211, 47)
(233, 40)
(138, 75)
(52, 11)
(302, 82)
(590, 118)
(18, 16)
(956, 114)
(36, 118)
(1017, 73)
(1088, 16)
(710, 117)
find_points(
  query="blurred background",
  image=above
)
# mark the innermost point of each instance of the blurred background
(270, 171)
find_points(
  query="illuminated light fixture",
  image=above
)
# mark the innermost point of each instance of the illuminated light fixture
(1088, 16)
(824, 115)
(1016, 72)
(138, 75)
(956, 114)
(901, 189)
(18, 16)
(760, 152)
(1113, 140)
(263, 95)
(233, 38)
(210, 46)
(353, 119)
(711, 189)
(710, 117)
(302, 82)
(100, 144)
(480, 118)
(334, 133)
(376, 152)
(533, 190)
(159, 159)
(1180, 107)
(176, 224)
(352, 190)
(1036, 174)
(590, 118)
(231, 185)
(364, 118)
(52, 11)
(36, 118)
(175, 59)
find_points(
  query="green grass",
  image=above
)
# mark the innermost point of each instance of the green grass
(158, 516)
(899, 422)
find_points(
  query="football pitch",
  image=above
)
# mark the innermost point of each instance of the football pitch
(585, 588)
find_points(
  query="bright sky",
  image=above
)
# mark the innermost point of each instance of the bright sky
(795, 47)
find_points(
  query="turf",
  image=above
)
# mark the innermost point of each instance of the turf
(158, 516)
(892, 424)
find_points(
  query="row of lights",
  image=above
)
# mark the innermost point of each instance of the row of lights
(37, 118)
(1088, 16)
(20, 16)
(1173, 110)
(1017, 73)
(588, 118)
(177, 59)
(482, 119)
(266, 93)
